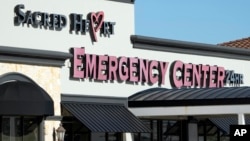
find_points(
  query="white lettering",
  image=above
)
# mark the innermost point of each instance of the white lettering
(239, 132)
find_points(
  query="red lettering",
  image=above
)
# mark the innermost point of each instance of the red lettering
(177, 80)
(196, 75)
(102, 67)
(143, 74)
(220, 77)
(204, 70)
(133, 69)
(113, 65)
(163, 69)
(123, 68)
(212, 73)
(187, 75)
(90, 66)
(153, 76)
(77, 63)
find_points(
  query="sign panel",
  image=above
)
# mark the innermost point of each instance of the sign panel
(93, 23)
(239, 132)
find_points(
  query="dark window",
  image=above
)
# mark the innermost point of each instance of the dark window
(162, 130)
(114, 136)
(106, 137)
(176, 130)
(98, 137)
(146, 136)
(76, 131)
(171, 130)
(210, 132)
(16, 128)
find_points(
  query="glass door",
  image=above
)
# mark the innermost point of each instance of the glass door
(15, 128)
(8, 132)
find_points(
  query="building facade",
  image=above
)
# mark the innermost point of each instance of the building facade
(80, 64)
(198, 105)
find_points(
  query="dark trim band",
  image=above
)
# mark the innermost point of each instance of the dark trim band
(33, 56)
(94, 99)
(167, 45)
(54, 118)
(125, 1)
(192, 102)
(163, 97)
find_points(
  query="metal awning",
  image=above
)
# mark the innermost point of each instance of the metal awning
(105, 117)
(157, 97)
(224, 123)
(162, 102)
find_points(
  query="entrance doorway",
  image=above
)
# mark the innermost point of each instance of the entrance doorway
(20, 128)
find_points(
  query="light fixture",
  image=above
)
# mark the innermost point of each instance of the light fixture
(60, 131)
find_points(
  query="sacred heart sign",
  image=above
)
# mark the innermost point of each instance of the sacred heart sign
(96, 23)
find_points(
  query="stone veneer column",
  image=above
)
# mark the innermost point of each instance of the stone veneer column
(46, 77)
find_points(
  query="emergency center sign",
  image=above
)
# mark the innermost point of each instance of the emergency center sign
(138, 70)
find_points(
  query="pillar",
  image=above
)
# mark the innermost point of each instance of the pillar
(192, 128)
(241, 119)
(127, 137)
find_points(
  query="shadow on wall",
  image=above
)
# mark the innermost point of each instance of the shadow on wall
(54, 134)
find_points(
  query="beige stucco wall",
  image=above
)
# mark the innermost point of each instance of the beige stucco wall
(46, 77)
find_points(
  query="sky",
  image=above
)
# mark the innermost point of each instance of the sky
(202, 21)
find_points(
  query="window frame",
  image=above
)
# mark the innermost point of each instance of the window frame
(39, 125)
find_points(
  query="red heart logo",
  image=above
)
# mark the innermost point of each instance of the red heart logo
(96, 22)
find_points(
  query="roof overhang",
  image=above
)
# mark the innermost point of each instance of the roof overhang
(162, 102)
(185, 47)
(33, 56)
(183, 111)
